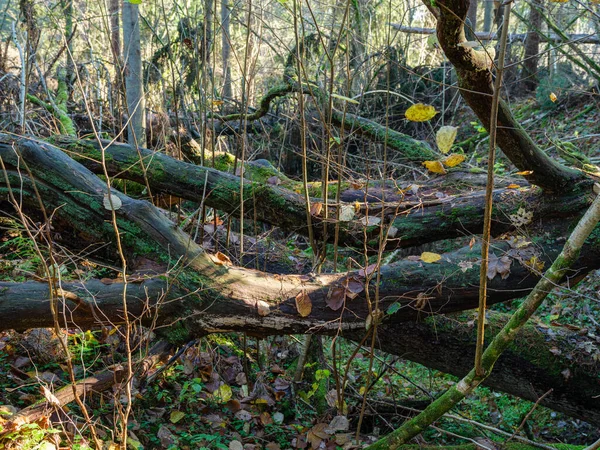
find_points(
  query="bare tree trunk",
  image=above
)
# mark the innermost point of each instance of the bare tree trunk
(226, 48)
(472, 15)
(487, 15)
(532, 49)
(67, 6)
(136, 104)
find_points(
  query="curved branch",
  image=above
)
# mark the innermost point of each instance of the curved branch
(473, 68)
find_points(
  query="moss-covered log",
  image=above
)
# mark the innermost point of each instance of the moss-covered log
(410, 149)
(74, 195)
(528, 369)
(504, 338)
(451, 216)
(204, 297)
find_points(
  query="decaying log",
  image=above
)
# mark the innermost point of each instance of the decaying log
(543, 357)
(204, 297)
(450, 216)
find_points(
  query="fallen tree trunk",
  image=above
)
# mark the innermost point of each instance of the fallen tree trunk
(543, 357)
(202, 297)
(74, 195)
(451, 217)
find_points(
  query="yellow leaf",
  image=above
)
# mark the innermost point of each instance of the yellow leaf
(445, 137)
(525, 172)
(176, 416)
(223, 394)
(454, 160)
(217, 102)
(428, 257)
(303, 304)
(513, 186)
(420, 113)
(435, 167)
(553, 97)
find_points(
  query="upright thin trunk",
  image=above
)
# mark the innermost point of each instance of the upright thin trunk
(487, 15)
(532, 49)
(226, 48)
(136, 104)
(67, 6)
(208, 31)
(114, 11)
(472, 14)
(115, 38)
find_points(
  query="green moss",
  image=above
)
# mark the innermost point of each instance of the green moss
(176, 334)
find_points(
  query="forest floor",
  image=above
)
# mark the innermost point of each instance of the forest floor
(236, 392)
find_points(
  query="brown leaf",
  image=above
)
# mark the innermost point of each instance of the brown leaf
(367, 270)
(316, 208)
(106, 281)
(303, 304)
(353, 287)
(317, 434)
(335, 298)
(499, 266)
(221, 259)
(265, 418)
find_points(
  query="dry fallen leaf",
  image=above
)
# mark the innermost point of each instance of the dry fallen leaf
(498, 266)
(435, 167)
(221, 259)
(353, 287)
(445, 137)
(429, 257)
(454, 160)
(420, 113)
(521, 217)
(336, 297)
(316, 208)
(370, 220)
(303, 304)
(374, 319)
(316, 435)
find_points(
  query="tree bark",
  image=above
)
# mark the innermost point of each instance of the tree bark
(473, 68)
(532, 50)
(225, 48)
(134, 86)
(451, 217)
(534, 364)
